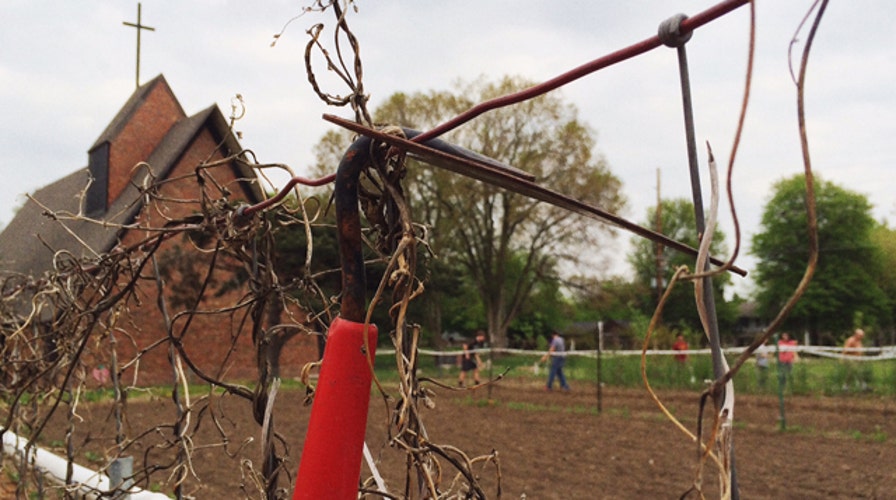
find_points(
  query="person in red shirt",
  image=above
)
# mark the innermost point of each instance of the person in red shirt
(786, 357)
(680, 345)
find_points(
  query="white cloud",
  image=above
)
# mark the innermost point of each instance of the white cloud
(67, 67)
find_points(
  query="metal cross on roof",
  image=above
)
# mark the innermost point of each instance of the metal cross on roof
(140, 27)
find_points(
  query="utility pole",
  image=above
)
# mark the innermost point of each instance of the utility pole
(140, 27)
(659, 247)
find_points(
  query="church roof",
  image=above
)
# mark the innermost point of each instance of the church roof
(133, 103)
(34, 240)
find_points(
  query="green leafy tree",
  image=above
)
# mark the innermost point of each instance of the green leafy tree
(319, 284)
(613, 300)
(845, 285)
(884, 238)
(482, 228)
(546, 310)
(678, 222)
(616, 298)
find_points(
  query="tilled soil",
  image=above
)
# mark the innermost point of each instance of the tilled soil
(549, 444)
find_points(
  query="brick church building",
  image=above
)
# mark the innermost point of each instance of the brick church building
(150, 142)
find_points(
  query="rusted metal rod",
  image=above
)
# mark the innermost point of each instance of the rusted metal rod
(348, 221)
(629, 52)
(331, 456)
(277, 198)
(432, 153)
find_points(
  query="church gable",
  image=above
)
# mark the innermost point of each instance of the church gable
(144, 174)
(130, 138)
(151, 128)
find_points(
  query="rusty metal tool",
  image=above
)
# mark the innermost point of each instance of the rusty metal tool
(454, 158)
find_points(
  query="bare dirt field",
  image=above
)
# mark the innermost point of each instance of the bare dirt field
(556, 445)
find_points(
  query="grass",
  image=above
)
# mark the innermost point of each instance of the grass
(810, 376)
(534, 407)
(514, 405)
(878, 436)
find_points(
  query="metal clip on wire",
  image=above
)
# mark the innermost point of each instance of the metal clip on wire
(670, 33)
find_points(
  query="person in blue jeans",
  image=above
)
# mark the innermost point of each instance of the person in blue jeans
(557, 353)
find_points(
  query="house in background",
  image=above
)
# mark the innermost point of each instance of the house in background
(616, 335)
(749, 323)
(151, 141)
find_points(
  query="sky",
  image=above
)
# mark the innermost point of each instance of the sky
(66, 68)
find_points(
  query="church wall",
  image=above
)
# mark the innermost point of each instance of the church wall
(140, 135)
(219, 344)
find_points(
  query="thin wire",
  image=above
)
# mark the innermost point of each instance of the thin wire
(689, 24)
(629, 52)
(296, 180)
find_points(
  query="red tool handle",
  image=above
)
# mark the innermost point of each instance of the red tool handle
(330, 465)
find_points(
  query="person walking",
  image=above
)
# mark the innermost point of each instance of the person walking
(470, 360)
(683, 372)
(681, 347)
(557, 354)
(786, 357)
(762, 358)
(853, 344)
(852, 349)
